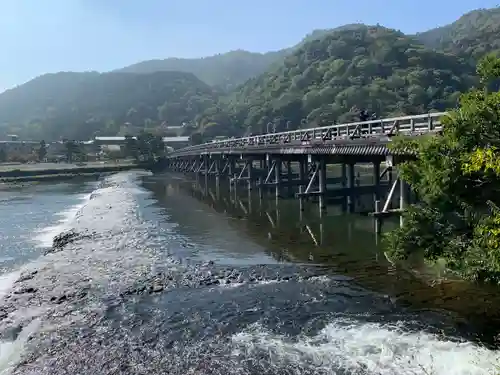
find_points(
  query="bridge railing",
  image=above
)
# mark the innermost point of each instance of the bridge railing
(417, 124)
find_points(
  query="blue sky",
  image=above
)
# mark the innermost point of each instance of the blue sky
(41, 36)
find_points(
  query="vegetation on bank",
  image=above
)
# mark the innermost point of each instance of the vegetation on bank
(457, 179)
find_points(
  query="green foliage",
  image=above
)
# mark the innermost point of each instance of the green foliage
(73, 151)
(131, 148)
(42, 150)
(225, 71)
(79, 105)
(329, 79)
(3, 155)
(472, 36)
(147, 147)
(457, 177)
(151, 146)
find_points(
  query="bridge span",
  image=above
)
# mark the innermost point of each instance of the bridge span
(319, 162)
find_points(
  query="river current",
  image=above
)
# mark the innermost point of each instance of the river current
(162, 282)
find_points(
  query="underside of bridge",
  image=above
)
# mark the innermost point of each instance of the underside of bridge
(316, 164)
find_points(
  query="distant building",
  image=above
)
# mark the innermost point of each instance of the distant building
(166, 126)
(175, 142)
(13, 137)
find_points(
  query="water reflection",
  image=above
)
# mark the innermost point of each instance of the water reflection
(345, 243)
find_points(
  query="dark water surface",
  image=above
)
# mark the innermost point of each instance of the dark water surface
(175, 278)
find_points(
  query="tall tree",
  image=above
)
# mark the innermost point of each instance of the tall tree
(457, 178)
(42, 151)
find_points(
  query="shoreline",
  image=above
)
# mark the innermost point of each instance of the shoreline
(52, 174)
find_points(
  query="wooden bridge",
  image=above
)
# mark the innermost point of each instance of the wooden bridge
(307, 159)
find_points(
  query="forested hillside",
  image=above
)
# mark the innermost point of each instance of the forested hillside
(328, 76)
(225, 71)
(80, 105)
(472, 35)
(330, 79)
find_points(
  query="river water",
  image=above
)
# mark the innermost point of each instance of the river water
(168, 278)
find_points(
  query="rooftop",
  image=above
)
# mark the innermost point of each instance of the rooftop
(176, 139)
(122, 139)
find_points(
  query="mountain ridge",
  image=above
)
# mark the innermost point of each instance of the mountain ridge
(249, 89)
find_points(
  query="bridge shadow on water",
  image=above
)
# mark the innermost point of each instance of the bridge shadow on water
(345, 243)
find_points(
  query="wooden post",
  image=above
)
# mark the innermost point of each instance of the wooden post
(376, 181)
(376, 218)
(322, 186)
(261, 191)
(289, 177)
(207, 166)
(250, 174)
(402, 199)
(231, 172)
(344, 185)
(277, 174)
(302, 172)
(351, 182)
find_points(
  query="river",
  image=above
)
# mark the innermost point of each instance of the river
(172, 278)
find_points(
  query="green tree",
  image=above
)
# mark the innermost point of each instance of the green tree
(73, 151)
(42, 150)
(457, 178)
(71, 104)
(150, 147)
(131, 147)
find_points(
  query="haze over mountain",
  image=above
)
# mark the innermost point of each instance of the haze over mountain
(38, 37)
(318, 79)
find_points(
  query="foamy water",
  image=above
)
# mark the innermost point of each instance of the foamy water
(367, 348)
(92, 212)
(44, 237)
(6, 282)
(11, 352)
(121, 253)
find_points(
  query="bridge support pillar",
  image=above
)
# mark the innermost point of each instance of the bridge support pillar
(207, 168)
(343, 183)
(261, 188)
(403, 197)
(289, 177)
(277, 174)
(351, 201)
(250, 174)
(322, 186)
(231, 172)
(302, 176)
(376, 180)
(217, 177)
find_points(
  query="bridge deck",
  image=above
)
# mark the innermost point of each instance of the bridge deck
(357, 138)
